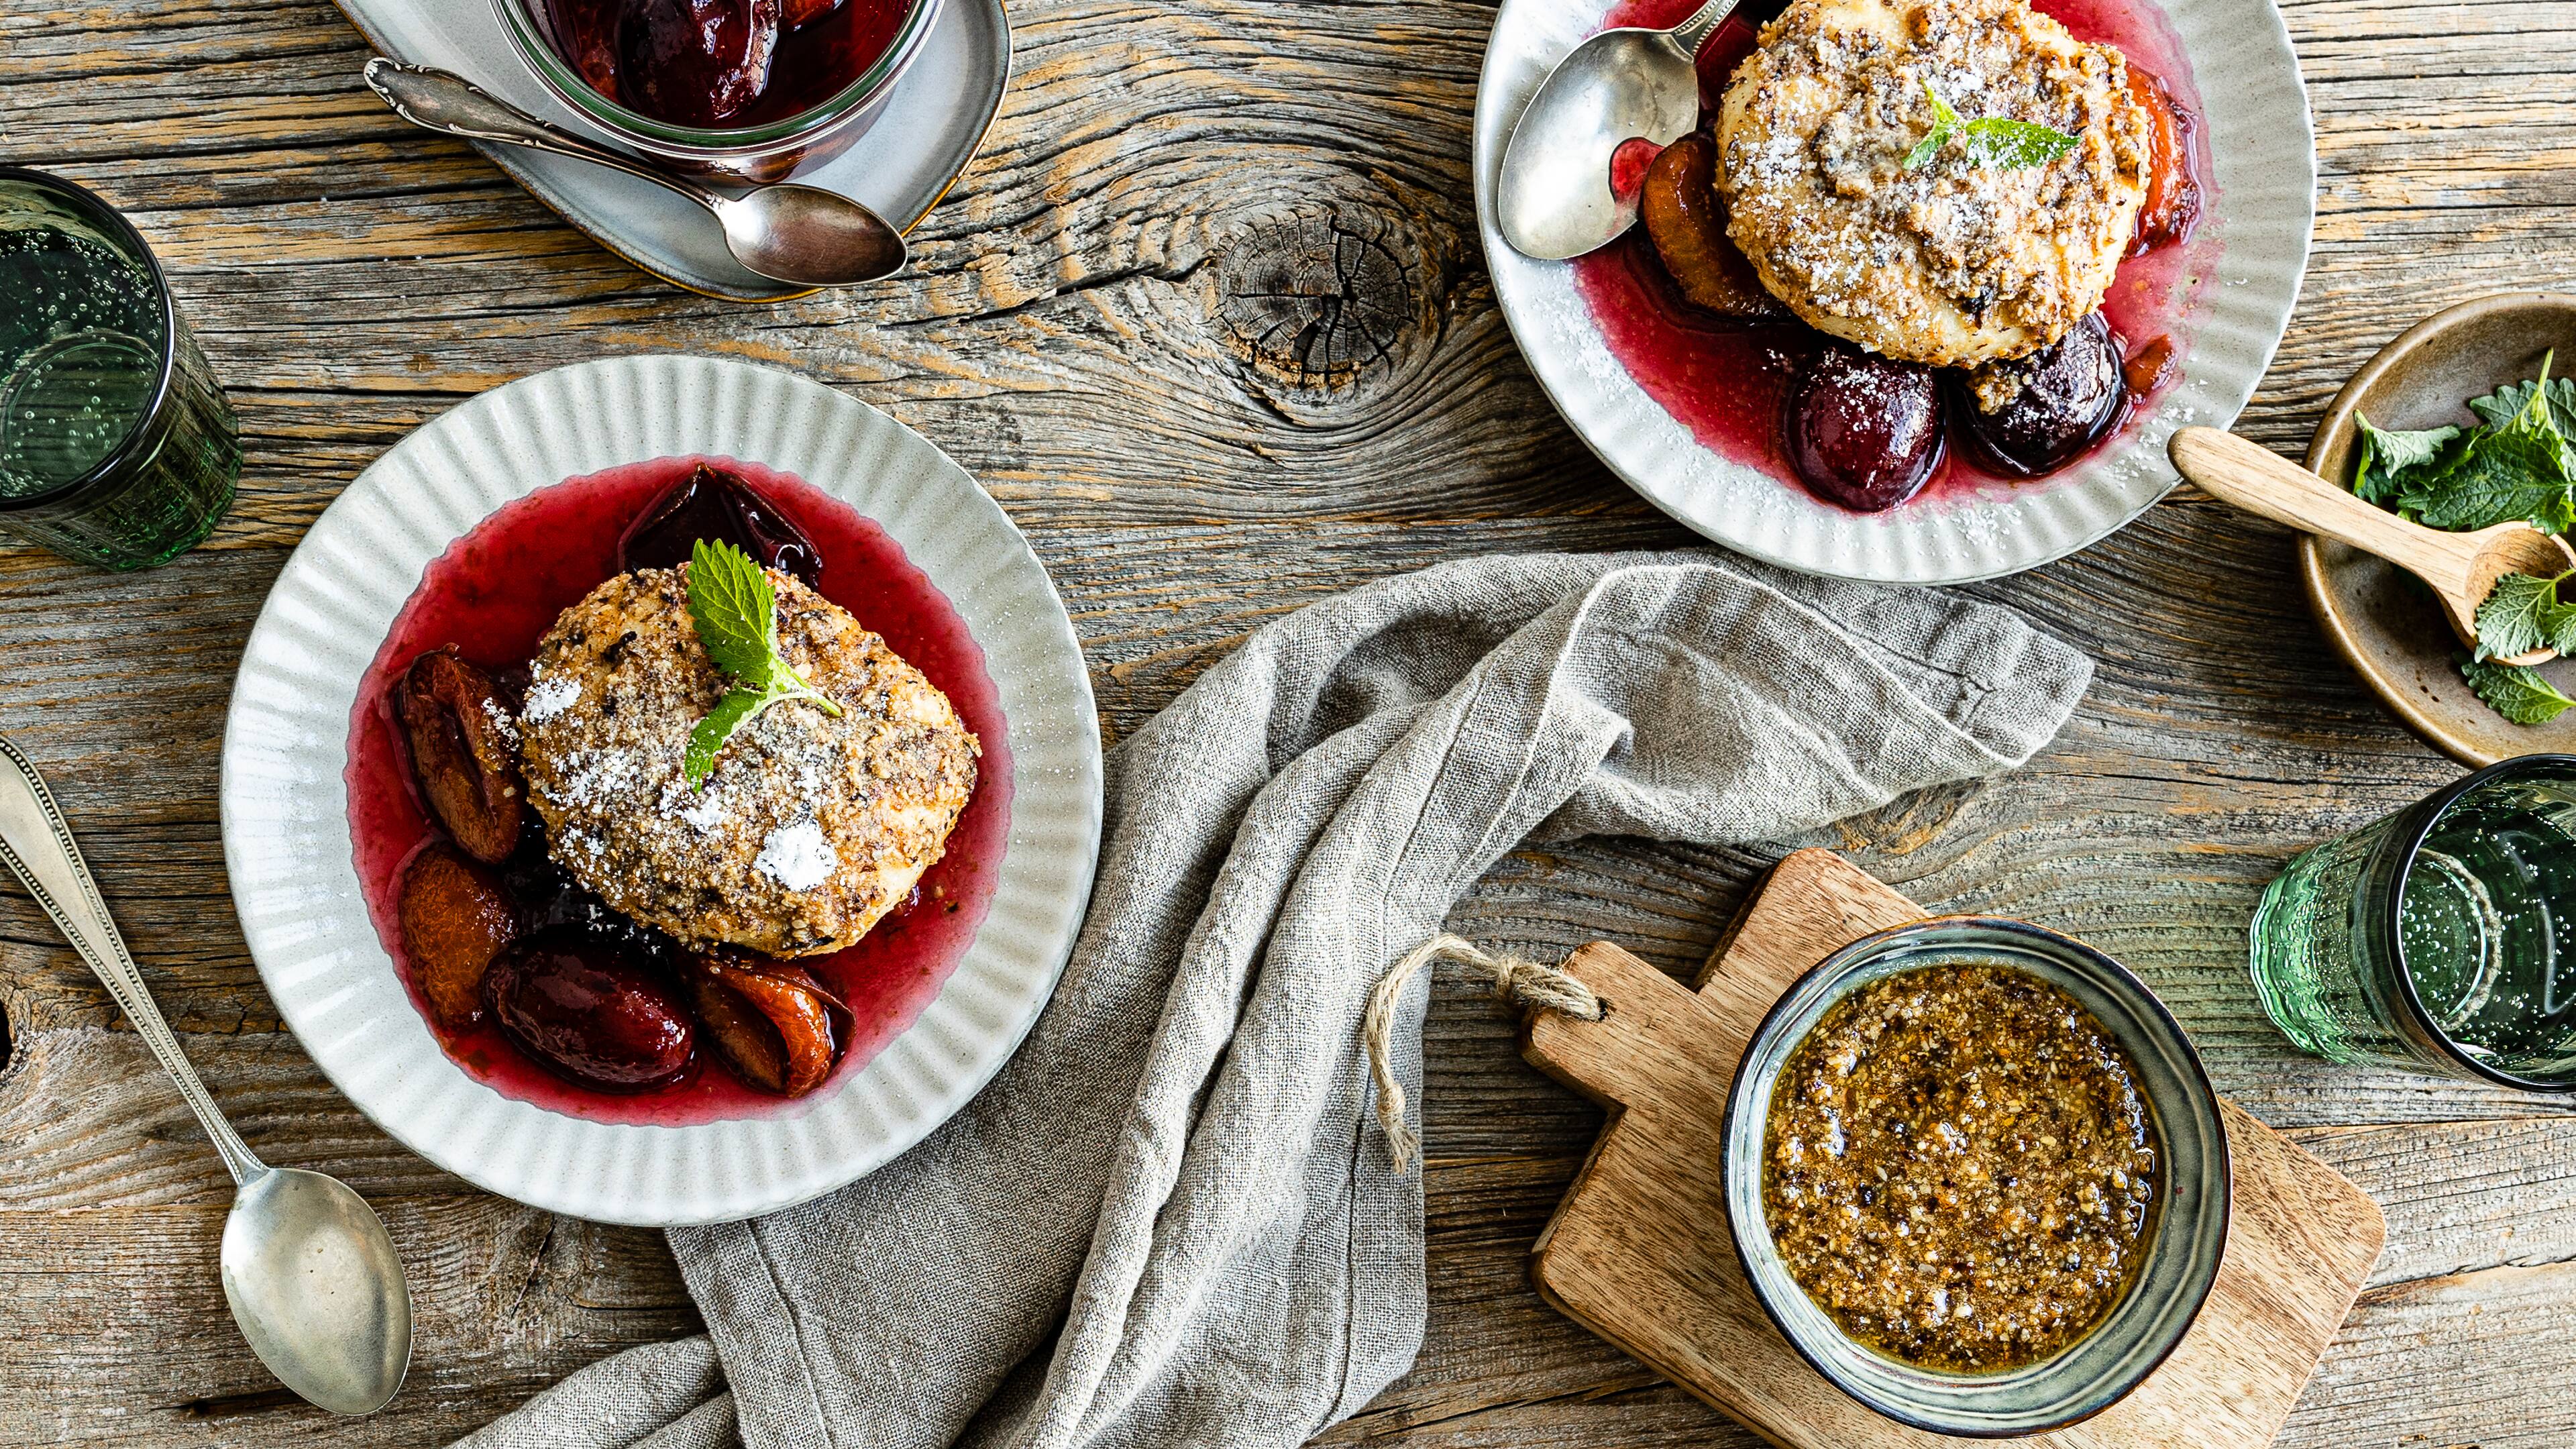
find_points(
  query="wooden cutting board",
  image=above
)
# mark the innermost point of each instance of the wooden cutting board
(1639, 1253)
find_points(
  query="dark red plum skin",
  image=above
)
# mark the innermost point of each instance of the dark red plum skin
(590, 1014)
(2073, 392)
(1864, 431)
(695, 62)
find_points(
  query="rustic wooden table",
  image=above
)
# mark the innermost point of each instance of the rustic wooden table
(1209, 318)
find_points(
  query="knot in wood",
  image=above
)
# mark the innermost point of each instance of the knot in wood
(1325, 306)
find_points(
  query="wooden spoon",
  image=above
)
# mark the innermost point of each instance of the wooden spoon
(2461, 567)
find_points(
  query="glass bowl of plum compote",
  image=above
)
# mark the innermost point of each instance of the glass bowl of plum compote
(534, 984)
(744, 90)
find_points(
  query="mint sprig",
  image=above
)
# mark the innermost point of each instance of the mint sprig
(2517, 464)
(735, 612)
(1993, 143)
(2517, 693)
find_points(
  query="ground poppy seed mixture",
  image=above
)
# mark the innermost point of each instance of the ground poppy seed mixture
(1959, 1168)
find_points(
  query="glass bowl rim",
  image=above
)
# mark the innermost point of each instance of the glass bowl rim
(96, 208)
(537, 52)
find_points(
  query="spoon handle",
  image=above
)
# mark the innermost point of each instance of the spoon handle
(437, 100)
(37, 845)
(1693, 33)
(2260, 481)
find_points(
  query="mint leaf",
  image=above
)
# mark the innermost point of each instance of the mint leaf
(2504, 475)
(2001, 145)
(735, 612)
(734, 609)
(2545, 399)
(2388, 457)
(1944, 122)
(1992, 142)
(2517, 693)
(730, 714)
(2522, 613)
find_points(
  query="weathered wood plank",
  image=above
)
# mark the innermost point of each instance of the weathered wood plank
(1073, 331)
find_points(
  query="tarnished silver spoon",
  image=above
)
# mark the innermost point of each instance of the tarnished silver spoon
(312, 1278)
(1554, 198)
(802, 235)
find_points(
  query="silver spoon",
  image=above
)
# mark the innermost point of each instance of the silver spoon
(312, 1278)
(801, 235)
(1555, 199)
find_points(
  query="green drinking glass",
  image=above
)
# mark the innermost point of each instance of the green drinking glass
(2442, 938)
(117, 447)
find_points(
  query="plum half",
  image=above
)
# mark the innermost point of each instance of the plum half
(2036, 414)
(716, 504)
(1686, 220)
(2173, 200)
(463, 753)
(770, 1021)
(590, 1014)
(695, 62)
(1864, 431)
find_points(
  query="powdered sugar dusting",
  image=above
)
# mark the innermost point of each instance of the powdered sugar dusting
(797, 856)
(550, 697)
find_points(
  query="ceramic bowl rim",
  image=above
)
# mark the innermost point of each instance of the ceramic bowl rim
(1836, 970)
(2332, 429)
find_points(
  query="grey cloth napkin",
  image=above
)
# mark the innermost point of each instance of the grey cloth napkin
(1171, 1219)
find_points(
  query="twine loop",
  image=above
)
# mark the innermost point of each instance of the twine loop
(1523, 983)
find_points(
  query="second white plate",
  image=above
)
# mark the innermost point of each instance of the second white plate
(285, 805)
(2264, 156)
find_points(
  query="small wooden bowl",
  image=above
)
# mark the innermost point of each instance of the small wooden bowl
(2379, 618)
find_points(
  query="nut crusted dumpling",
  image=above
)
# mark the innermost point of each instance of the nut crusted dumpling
(809, 830)
(1952, 263)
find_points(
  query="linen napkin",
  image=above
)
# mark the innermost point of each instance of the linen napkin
(1171, 1219)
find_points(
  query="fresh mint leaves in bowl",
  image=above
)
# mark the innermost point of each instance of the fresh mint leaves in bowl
(2463, 422)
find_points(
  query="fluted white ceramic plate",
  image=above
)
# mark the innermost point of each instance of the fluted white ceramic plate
(2256, 228)
(286, 813)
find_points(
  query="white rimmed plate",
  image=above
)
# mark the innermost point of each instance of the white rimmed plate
(286, 816)
(2263, 154)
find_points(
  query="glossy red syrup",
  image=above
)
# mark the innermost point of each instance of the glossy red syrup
(496, 592)
(1728, 381)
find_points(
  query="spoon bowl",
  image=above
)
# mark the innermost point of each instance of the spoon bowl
(1556, 197)
(2461, 568)
(317, 1289)
(313, 1281)
(806, 236)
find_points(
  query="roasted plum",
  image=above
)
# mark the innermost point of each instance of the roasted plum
(695, 62)
(800, 13)
(717, 505)
(773, 1023)
(1864, 431)
(455, 919)
(2036, 414)
(1686, 221)
(2173, 200)
(464, 753)
(591, 1015)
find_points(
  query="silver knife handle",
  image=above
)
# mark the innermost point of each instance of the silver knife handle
(37, 845)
